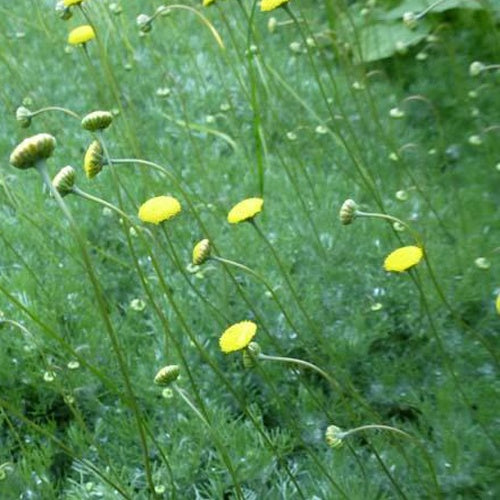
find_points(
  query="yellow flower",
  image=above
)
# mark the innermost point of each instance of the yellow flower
(82, 34)
(497, 304)
(403, 258)
(159, 209)
(69, 3)
(237, 336)
(245, 210)
(206, 3)
(267, 5)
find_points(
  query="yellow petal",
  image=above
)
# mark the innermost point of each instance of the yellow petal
(159, 209)
(403, 258)
(237, 336)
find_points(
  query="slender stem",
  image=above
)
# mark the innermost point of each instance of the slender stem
(221, 446)
(375, 426)
(56, 108)
(285, 275)
(301, 362)
(262, 280)
(391, 218)
(83, 194)
(42, 169)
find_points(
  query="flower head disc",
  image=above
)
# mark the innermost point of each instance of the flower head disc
(64, 180)
(69, 3)
(201, 252)
(403, 258)
(497, 304)
(267, 5)
(32, 150)
(237, 336)
(245, 210)
(206, 3)
(82, 34)
(167, 375)
(97, 120)
(93, 159)
(159, 209)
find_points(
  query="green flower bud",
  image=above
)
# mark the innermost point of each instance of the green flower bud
(23, 116)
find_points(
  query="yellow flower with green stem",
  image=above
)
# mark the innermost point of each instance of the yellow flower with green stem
(245, 210)
(81, 35)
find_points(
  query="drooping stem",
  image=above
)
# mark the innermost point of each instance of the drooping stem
(301, 362)
(56, 108)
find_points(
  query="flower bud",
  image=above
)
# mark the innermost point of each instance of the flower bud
(64, 180)
(63, 11)
(410, 19)
(334, 436)
(97, 120)
(201, 252)
(347, 212)
(272, 24)
(23, 116)
(167, 375)
(476, 68)
(144, 23)
(251, 355)
(32, 150)
(93, 160)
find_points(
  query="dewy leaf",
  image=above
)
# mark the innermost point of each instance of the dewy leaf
(378, 41)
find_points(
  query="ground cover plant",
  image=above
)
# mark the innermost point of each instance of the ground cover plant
(249, 249)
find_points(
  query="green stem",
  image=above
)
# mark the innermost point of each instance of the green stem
(263, 281)
(301, 362)
(285, 274)
(42, 169)
(56, 108)
(391, 218)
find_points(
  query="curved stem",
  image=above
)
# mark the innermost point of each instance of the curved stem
(131, 398)
(391, 218)
(56, 108)
(285, 275)
(301, 362)
(263, 281)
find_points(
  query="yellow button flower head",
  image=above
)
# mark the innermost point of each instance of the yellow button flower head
(245, 210)
(206, 3)
(159, 209)
(237, 336)
(167, 375)
(32, 150)
(497, 304)
(201, 252)
(82, 34)
(97, 120)
(403, 258)
(64, 180)
(267, 5)
(93, 160)
(69, 3)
